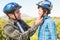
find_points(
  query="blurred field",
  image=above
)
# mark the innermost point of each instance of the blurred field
(30, 22)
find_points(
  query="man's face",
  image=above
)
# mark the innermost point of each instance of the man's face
(17, 14)
(40, 11)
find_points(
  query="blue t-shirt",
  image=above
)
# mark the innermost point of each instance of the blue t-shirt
(47, 30)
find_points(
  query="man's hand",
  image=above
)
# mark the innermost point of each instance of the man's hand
(38, 21)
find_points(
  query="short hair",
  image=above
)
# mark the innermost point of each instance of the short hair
(44, 9)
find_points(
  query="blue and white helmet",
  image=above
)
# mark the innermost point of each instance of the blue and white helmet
(46, 4)
(10, 7)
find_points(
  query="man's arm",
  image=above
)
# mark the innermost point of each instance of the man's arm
(15, 34)
(32, 30)
(11, 32)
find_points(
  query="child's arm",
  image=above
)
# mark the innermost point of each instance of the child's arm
(52, 29)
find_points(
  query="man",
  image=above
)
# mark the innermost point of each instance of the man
(16, 28)
(47, 30)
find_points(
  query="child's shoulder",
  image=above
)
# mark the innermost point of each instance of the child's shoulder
(49, 20)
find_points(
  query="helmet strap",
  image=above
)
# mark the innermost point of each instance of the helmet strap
(12, 18)
(15, 17)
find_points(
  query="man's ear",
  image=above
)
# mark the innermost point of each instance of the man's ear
(10, 14)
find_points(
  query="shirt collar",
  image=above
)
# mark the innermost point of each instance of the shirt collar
(14, 21)
(46, 17)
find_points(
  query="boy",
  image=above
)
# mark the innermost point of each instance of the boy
(47, 30)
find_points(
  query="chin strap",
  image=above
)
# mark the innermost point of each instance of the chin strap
(14, 16)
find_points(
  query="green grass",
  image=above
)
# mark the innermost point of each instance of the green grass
(30, 23)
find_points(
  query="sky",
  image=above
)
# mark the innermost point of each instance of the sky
(29, 7)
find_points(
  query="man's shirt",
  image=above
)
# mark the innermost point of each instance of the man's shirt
(13, 32)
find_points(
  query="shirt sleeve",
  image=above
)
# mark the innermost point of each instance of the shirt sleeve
(12, 33)
(52, 29)
(15, 34)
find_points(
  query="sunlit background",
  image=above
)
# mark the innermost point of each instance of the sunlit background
(29, 11)
(29, 7)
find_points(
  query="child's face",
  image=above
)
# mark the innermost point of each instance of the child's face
(40, 11)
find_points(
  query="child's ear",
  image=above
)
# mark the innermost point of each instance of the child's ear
(46, 12)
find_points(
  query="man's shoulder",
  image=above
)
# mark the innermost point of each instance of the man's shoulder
(9, 23)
